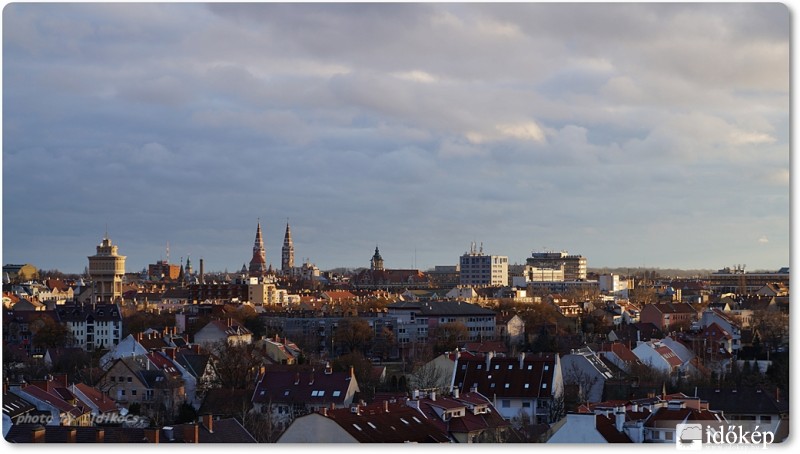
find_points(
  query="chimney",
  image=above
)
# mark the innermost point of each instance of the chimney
(311, 381)
(324, 411)
(386, 406)
(208, 422)
(37, 434)
(191, 433)
(619, 418)
(489, 357)
(297, 378)
(473, 388)
(521, 359)
(455, 393)
(152, 435)
(433, 396)
(202, 280)
(99, 435)
(328, 368)
(72, 435)
(415, 394)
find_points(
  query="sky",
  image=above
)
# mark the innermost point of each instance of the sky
(633, 134)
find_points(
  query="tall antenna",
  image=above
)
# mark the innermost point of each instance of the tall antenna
(167, 251)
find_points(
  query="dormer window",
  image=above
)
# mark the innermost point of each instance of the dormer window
(510, 366)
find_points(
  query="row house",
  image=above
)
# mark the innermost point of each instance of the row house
(620, 355)
(526, 384)
(280, 352)
(93, 326)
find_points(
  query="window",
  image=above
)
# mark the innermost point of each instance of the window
(766, 419)
(130, 379)
(337, 393)
(668, 435)
(113, 379)
(510, 366)
(133, 392)
(507, 385)
(526, 405)
(492, 385)
(656, 435)
(527, 385)
(544, 385)
(122, 392)
(506, 403)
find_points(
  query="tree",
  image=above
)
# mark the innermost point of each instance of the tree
(353, 334)
(584, 381)
(235, 365)
(642, 295)
(362, 368)
(48, 333)
(449, 335)
(428, 376)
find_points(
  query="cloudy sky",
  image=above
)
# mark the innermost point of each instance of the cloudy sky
(632, 134)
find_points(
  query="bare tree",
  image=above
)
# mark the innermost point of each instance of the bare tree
(428, 376)
(583, 380)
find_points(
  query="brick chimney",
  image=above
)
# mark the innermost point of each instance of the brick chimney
(386, 406)
(99, 435)
(489, 357)
(208, 422)
(72, 435)
(191, 433)
(152, 435)
(37, 434)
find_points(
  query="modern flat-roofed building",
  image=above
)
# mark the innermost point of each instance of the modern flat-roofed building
(480, 269)
(574, 266)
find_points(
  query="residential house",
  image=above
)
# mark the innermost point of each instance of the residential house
(53, 396)
(510, 328)
(660, 427)
(467, 418)
(751, 406)
(619, 355)
(19, 328)
(93, 326)
(138, 379)
(281, 352)
(103, 408)
(588, 428)
(286, 394)
(658, 356)
(230, 331)
(584, 369)
(668, 316)
(382, 422)
(525, 384)
(726, 328)
(207, 429)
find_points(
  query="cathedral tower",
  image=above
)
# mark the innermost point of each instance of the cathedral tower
(258, 264)
(287, 255)
(377, 261)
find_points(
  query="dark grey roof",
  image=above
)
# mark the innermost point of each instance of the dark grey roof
(23, 433)
(99, 312)
(444, 308)
(195, 364)
(744, 400)
(14, 405)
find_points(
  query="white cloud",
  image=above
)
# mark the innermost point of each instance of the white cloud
(763, 240)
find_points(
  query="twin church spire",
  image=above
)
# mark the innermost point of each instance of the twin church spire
(258, 264)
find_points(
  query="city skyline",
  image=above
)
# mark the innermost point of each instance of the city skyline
(632, 134)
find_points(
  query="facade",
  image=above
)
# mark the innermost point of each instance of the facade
(526, 384)
(415, 321)
(574, 266)
(668, 316)
(229, 331)
(106, 269)
(738, 281)
(584, 368)
(480, 269)
(93, 327)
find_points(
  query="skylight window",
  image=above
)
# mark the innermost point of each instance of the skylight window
(530, 366)
(357, 427)
(527, 385)
(371, 425)
(510, 366)
(507, 385)
(337, 393)
(404, 421)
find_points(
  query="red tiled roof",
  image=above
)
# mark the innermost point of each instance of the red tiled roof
(606, 427)
(668, 355)
(621, 350)
(103, 402)
(54, 400)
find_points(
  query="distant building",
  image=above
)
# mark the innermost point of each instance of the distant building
(738, 281)
(19, 273)
(106, 269)
(574, 266)
(258, 263)
(478, 268)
